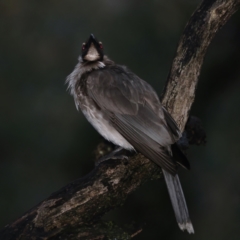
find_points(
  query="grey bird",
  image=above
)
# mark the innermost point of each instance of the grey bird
(126, 111)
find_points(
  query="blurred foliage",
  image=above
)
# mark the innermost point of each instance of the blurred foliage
(45, 143)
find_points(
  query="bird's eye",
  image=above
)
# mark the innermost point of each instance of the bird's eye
(83, 46)
(101, 45)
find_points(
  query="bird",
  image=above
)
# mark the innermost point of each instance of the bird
(126, 111)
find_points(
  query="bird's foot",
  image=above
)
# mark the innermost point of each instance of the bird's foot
(118, 153)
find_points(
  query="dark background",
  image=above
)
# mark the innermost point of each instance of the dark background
(45, 143)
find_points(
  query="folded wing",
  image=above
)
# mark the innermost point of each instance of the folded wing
(135, 111)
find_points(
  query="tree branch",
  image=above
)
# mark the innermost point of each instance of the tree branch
(74, 211)
(179, 92)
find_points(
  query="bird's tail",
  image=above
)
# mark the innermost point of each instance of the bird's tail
(178, 202)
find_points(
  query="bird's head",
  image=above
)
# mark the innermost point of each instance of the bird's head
(92, 50)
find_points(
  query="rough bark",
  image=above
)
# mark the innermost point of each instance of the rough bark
(74, 212)
(179, 92)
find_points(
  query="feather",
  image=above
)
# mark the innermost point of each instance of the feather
(134, 110)
(126, 110)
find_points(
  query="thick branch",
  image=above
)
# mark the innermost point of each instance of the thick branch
(74, 211)
(77, 207)
(179, 92)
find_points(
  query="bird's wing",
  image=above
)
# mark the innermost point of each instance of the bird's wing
(134, 109)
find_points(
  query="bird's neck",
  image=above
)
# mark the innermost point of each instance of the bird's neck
(82, 68)
(87, 66)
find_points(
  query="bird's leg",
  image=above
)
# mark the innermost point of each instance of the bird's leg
(118, 153)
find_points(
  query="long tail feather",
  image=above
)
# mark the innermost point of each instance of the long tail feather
(178, 202)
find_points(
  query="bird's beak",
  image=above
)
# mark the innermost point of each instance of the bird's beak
(92, 39)
(92, 51)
